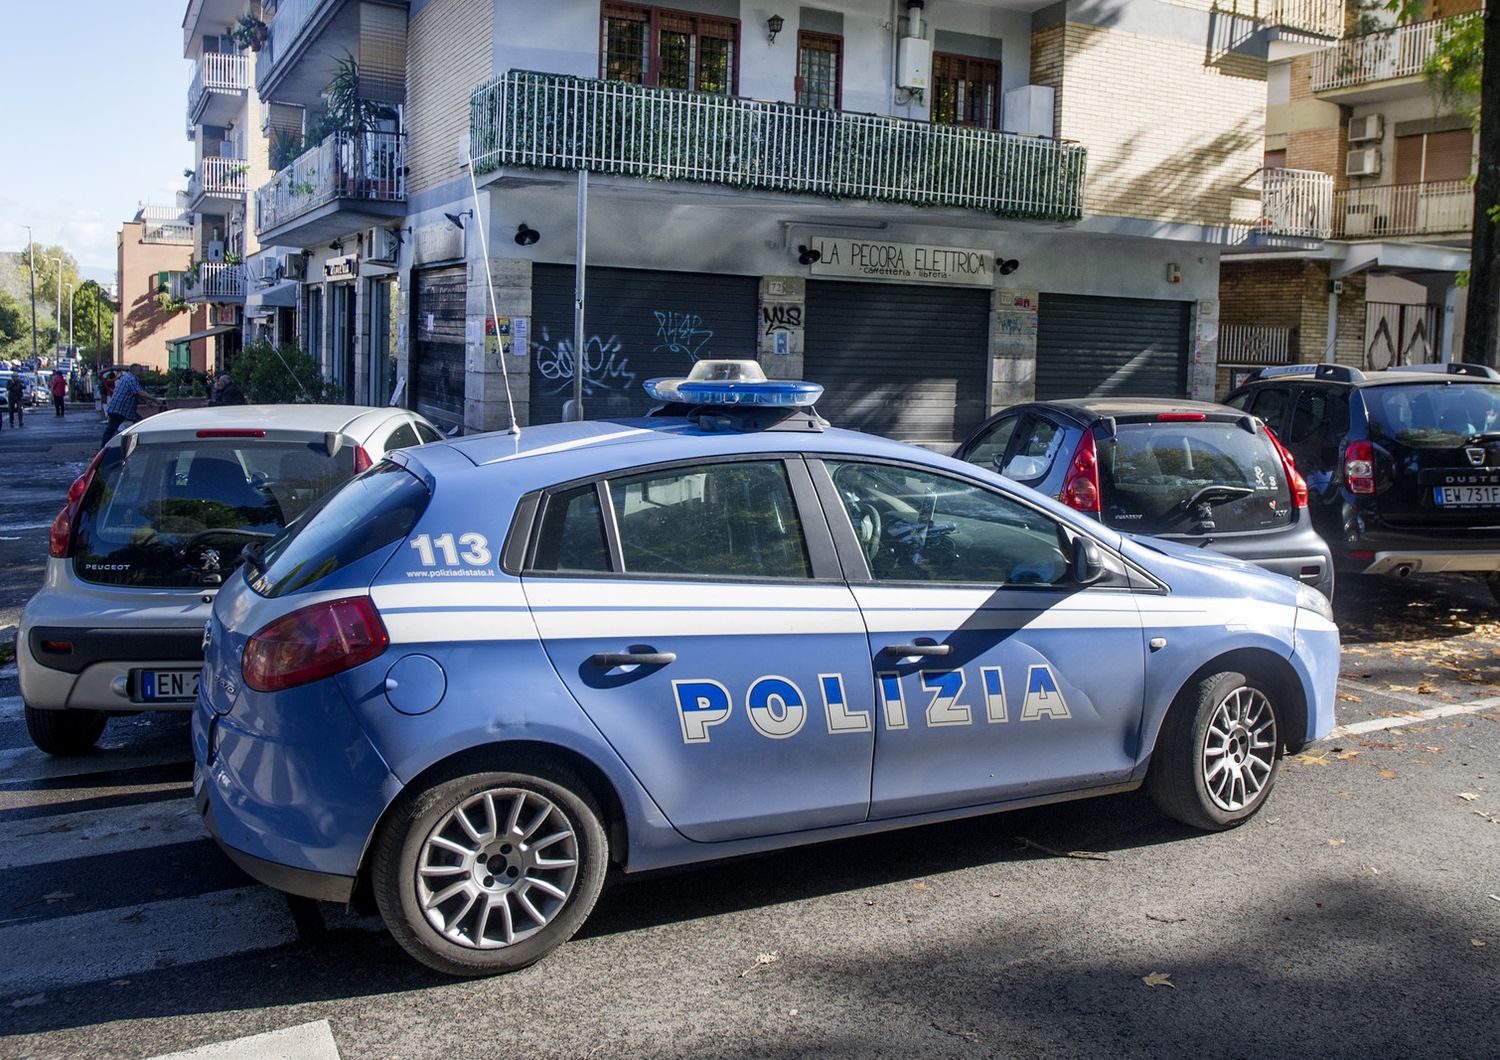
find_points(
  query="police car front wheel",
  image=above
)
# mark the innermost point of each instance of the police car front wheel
(490, 872)
(1218, 752)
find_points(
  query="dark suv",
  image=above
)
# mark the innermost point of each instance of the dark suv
(1201, 474)
(1402, 466)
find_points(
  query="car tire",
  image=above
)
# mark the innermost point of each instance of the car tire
(1218, 752)
(65, 732)
(508, 902)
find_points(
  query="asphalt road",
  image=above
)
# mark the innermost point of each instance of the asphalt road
(1358, 914)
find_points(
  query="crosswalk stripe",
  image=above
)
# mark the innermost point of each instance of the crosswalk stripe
(90, 833)
(310, 1041)
(111, 943)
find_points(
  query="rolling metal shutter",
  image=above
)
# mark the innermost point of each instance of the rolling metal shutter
(639, 325)
(437, 328)
(903, 361)
(1133, 347)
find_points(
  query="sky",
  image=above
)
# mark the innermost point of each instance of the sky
(93, 117)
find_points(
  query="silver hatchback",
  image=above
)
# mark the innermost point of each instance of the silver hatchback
(149, 533)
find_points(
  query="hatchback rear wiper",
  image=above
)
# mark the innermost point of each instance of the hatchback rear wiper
(1482, 436)
(1217, 494)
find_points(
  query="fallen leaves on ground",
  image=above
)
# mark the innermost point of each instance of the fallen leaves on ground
(919, 886)
(1337, 842)
(1389, 774)
(1467, 796)
(1478, 944)
(1166, 919)
(1347, 698)
(1156, 979)
(1084, 855)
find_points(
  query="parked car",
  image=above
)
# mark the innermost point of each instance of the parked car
(673, 639)
(1200, 474)
(1402, 466)
(149, 533)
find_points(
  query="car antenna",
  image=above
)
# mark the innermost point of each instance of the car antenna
(489, 282)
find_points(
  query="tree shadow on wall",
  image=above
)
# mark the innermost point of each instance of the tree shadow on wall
(144, 319)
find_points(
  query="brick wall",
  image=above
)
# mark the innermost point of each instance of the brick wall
(448, 48)
(1319, 145)
(1294, 294)
(1047, 65)
(1188, 150)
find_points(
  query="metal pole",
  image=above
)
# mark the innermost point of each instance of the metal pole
(57, 344)
(70, 320)
(31, 250)
(580, 349)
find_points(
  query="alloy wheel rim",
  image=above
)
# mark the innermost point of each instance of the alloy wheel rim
(497, 868)
(1239, 749)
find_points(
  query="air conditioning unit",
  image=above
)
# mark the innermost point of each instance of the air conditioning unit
(1363, 130)
(382, 245)
(1363, 163)
(293, 267)
(267, 270)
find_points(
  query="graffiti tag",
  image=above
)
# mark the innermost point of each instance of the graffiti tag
(781, 317)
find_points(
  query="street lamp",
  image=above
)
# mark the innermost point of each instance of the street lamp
(70, 321)
(31, 270)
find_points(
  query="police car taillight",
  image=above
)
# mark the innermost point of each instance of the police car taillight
(1293, 476)
(1080, 489)
(60, 539)
(314, 642)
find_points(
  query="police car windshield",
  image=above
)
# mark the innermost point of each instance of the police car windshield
(374, 510)
(1433, 415)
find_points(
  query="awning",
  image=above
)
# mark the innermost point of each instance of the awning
(217, 329)
(277, 296)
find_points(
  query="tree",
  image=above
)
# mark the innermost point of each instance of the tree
(94, 323)
(276, 375)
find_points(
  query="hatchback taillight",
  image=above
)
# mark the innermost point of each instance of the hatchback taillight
(1359, 467)
(1080, 488)
(361, 459)
(314, 642)
(60, 539)
(1293, 476)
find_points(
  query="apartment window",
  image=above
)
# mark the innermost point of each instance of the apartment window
(965, 91)
(1425, 157)
(819, 68)
(668, 49)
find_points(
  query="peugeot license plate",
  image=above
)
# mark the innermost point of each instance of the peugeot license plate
(1467, 496)
(159, 686)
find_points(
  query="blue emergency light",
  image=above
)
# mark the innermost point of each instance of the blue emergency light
(733, 383)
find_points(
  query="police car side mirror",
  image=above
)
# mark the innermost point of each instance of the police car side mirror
(1088, 562)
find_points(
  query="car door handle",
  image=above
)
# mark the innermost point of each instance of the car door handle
(903, 651)
(611, 659)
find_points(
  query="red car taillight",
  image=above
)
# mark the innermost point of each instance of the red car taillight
(1359, 467)
(314, 642)
(361, 459)
(1080, 489)
(1293, 476)
(60, 539)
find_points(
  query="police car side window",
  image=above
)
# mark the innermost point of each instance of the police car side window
(726, 519)
(572, 534)
(918, 526)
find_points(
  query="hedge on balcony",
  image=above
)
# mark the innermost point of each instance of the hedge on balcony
(558, 122)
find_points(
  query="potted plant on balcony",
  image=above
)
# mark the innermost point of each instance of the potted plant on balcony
(360, 171)
(249, 33)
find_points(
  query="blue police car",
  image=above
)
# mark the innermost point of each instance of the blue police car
(485, 669)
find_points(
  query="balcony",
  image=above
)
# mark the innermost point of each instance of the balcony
(348, 181)
(1296, 203)
(220, 83)
(219, 179)
(552, 121)
(211, 281)
(1437, 208)
(1360, 69)
(306, 40)
(1321, 18)
(166, 224)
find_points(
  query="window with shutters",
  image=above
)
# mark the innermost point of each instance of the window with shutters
(819, 70)
(965, 91)
(1426, 157)
(668, 49)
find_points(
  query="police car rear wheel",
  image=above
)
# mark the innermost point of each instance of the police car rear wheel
(1218, 752)
(65, 732)
(489, 873)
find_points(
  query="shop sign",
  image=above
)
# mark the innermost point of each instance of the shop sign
(345, 268)
(871, 259)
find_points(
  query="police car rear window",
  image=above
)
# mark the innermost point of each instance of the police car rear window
(1433, 416)
(376, 509)
(177, 515)
(1152, 477)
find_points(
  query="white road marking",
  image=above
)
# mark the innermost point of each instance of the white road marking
(87, 833)
(28, 763)
(310, 1041)
(1416, 717)
(130, 940)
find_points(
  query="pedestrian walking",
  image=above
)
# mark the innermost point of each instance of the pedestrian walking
(13, 394)
(122, 402)
(59, 386)
(225, 392)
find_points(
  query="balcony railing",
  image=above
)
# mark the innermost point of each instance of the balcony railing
(1325, 18)
(1382, 56)
(1296, 202)
(216, 281)
(366, 166)
(1435, 208)
(554, 121)
(291, 18)
(222, 178)
(166, 224)
(1256, 344)
(217, 72)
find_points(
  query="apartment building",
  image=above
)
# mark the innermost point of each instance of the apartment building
(1382, 290)
(934, 209)
(155, 245)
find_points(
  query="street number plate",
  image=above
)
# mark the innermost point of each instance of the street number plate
(158, 686)
(1467, 496)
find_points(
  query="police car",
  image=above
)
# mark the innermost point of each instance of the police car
(486, 669)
